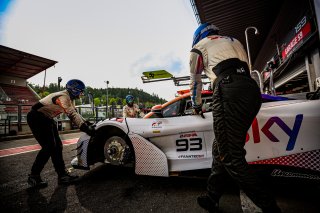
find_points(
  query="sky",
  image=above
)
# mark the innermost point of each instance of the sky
(103, 40)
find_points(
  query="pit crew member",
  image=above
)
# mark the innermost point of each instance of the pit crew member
(44, 128)
(236, 102)
(131, 110)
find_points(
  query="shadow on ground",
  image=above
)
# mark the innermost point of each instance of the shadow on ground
(116, 189)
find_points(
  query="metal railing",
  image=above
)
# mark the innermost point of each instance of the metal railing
(99, 113)
(13, 117)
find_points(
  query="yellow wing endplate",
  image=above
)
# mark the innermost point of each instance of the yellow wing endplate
(163, 75)
(157, 74)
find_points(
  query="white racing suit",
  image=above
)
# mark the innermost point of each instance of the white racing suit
(44, 129)
(236, 102)
(132, 112)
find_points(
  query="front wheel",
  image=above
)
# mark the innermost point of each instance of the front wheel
(116, 151)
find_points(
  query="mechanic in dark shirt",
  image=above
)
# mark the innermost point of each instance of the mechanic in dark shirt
(44, 129)
(236, 102)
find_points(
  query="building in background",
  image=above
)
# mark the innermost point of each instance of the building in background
(16, 97)
(288, 38)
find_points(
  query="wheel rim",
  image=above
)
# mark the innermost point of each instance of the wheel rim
(115, 149)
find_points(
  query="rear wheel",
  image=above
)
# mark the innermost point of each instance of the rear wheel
(116, 151)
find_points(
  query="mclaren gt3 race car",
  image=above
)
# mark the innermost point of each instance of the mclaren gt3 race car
(283, 139)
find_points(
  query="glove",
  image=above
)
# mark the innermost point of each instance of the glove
(90, 130)
(197, 109)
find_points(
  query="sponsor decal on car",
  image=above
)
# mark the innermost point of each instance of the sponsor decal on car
(156, 124)
(188, 135)
(280, 173)
(292, 133)
(191, 156)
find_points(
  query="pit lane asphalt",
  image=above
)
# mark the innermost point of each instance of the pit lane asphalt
(108, 188)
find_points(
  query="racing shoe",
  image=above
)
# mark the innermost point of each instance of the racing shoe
(208, 203)
(67, 179)
(35, 181)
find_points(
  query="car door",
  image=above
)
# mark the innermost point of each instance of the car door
(185, 140)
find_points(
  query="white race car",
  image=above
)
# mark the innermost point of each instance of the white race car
(284, 139)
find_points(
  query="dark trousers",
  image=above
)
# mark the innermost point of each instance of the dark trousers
(236, 102)
(46, 133)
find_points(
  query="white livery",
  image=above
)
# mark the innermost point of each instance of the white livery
(285, 138)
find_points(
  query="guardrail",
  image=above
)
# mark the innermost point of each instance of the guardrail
(13, 117)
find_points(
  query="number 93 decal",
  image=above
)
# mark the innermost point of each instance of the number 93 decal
(189, 144)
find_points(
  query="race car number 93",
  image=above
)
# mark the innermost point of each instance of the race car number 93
(189, 144)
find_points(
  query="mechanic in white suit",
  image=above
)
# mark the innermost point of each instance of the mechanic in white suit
(44, 128)
(236, 102)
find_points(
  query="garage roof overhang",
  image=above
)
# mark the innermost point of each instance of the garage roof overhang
(234, 16)
(21, 64)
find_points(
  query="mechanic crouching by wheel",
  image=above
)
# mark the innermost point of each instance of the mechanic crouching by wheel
(236, 102)
(44, 129)
(131, 110)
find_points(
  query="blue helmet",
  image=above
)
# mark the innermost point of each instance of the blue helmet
(75, 87)
(129, 100)
(203, 31)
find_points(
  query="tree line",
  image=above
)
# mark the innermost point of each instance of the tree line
(116, 96)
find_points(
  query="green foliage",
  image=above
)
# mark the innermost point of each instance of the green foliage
(97, 101)
(115, 95)
(43, 94)
(53, 87)
(112, 101)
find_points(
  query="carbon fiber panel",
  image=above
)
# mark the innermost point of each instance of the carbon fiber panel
(83, 151)
(150, 160)
(307, 160)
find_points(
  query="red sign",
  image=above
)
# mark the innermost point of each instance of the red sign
(266, 75)
(297, 40)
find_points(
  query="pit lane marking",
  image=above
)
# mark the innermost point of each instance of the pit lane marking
(31, 148)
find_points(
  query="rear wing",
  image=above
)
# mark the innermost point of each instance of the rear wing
(163, 75)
